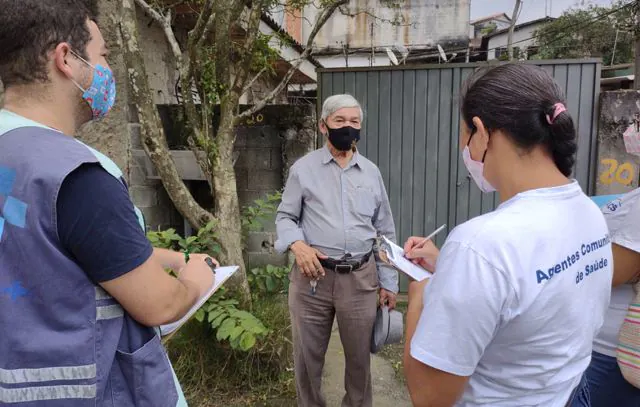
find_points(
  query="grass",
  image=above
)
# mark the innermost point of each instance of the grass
(394, 353)
(213, 374)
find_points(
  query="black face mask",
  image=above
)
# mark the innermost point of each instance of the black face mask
(343, 138)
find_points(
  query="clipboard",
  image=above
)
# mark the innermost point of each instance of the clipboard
(222, 275)
(393, 255)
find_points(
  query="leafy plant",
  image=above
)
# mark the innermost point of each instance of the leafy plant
(204, 241)
(240, 328)
(269, 280)
(254, 215)
(590, 32)
(164, 239)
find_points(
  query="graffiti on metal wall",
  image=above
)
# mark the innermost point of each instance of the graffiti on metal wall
(615, 172)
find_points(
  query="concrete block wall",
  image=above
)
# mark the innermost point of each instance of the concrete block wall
(617, 171)
(259, 173)
(266, 151)
(265, 146)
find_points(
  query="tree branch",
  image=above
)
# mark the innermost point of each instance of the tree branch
(184, 66)
(150, 123)
(207, 30)
(202, 22)
(252, 81)
(320, 21)
(252, 30)
(165, 24)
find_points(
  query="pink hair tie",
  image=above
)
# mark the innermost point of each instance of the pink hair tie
(557, 109)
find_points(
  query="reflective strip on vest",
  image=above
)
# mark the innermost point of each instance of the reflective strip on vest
(47, 393)
(109, 312)
(47, 374)
(101, 294)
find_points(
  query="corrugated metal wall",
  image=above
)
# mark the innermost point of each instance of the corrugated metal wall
(411, 132)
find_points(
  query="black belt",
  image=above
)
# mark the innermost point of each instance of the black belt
(344, 266)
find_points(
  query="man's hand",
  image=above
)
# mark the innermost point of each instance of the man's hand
(198, 271)
(387, 297)
(424, 255)
(307, 259)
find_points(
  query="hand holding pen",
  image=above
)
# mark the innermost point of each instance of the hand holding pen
(422, 251)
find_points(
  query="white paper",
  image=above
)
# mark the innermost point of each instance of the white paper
(397, 259)
(222, 275)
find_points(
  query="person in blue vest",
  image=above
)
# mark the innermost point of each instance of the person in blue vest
(81, 288)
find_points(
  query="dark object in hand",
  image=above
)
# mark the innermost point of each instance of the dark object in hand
(210, 263)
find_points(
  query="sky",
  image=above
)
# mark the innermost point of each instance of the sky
(531, 9)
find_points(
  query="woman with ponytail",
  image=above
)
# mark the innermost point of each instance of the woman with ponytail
(518, 294)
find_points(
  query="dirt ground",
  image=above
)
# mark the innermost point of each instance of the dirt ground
(389, 389)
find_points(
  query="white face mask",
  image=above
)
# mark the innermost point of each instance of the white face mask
(476, 169)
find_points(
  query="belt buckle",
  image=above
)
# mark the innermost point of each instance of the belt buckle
(343, 268)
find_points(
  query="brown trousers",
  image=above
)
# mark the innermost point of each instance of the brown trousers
(351, 298)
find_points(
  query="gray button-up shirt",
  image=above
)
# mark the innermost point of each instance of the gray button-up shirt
(337, 211)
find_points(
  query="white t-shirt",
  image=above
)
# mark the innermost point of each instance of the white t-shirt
(623, 218)
(517, 299)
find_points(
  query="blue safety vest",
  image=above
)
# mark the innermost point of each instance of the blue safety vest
(64, 341)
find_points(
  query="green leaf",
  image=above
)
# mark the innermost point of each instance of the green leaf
(240, 314)
(247, 341)
(215, 314)
(253, 325)
(271, 284)
(235, 333)
(235, 343)
(199, 315)
(261, 285)
(216, 322)
(225, 329)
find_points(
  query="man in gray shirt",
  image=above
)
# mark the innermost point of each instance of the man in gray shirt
(333, 207)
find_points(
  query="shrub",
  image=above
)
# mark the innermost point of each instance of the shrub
(224, 352)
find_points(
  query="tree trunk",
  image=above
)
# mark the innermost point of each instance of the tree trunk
(151, 127)
(514, 19)
(227, 206)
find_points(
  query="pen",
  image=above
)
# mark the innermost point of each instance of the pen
(426, 239)
(211, 264)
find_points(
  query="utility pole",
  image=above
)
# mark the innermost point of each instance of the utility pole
(636, 71)
(514, 18)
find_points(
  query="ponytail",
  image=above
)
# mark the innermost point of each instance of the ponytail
(561, 142)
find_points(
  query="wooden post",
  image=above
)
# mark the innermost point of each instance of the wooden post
(514, 19)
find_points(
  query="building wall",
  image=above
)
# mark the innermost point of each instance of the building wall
(618, 171)
(426, 23)
(354, 60)
(159, 60)
(524, 34)
(475, 30)
(266, 145)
